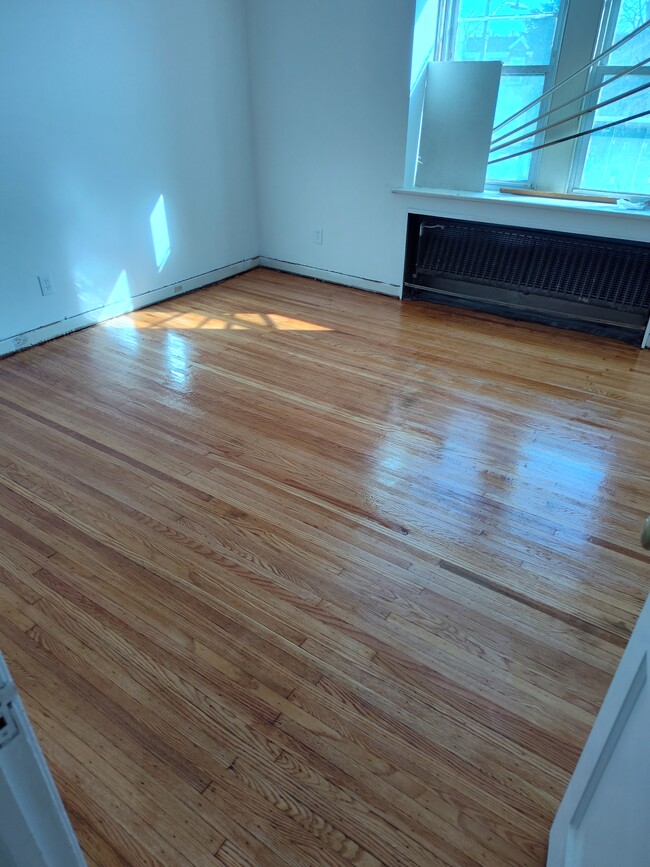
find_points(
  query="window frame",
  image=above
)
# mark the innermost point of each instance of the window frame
(584, 28)
(445, 51)
(598, 73)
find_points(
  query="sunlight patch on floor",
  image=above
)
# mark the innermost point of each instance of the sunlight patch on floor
(160, 319)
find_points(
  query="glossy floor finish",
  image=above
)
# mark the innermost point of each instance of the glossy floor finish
(293, 574)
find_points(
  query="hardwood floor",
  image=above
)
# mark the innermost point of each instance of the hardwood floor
(293, 574)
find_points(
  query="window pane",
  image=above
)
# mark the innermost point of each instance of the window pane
(519, 34)
(631, 14)
(515, 91)
(618, 159)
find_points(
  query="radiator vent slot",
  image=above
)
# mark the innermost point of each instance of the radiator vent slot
(586, 276)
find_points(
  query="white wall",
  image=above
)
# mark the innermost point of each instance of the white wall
(106, 105)
(330, 87)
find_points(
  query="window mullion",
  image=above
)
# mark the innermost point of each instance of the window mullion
(450, 25)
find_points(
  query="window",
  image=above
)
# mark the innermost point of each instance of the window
(523, 37)
(618, 159)
(541, 42)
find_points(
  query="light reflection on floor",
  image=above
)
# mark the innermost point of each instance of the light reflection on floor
(473, 473)
(178, 367)
(539, 473)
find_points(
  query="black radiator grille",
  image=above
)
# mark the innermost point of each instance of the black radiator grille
(604, 273)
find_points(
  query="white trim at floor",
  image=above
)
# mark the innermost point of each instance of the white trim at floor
(101, 314)
(332, 276)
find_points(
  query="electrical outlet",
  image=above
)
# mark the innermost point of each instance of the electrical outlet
(20, 341)
(178, 289)
(318, 235)
(45, 282)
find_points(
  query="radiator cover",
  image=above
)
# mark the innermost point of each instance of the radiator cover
(555, 276)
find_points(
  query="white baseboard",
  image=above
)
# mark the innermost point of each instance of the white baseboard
(331, 276)
(101, 314)
(645, 344)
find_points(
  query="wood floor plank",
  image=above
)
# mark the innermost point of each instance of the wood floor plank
(294, 574)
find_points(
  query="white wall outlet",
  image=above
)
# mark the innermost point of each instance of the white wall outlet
(45, 282)
(318, 235)
(178, 289)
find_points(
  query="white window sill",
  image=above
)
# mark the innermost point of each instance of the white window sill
(525, 201)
